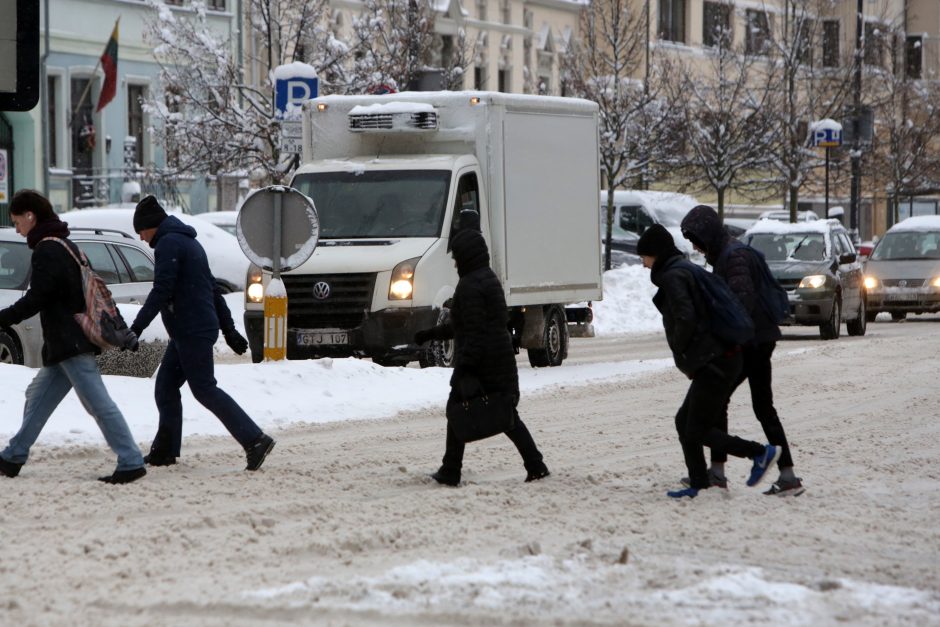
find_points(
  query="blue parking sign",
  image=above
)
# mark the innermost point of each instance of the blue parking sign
(293, 92)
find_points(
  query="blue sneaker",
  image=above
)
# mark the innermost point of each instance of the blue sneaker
(763, 463)
(685, 492)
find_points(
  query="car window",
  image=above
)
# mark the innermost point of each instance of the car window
(634, 219)
(140, 264)
(847, 246)
(837, 244)
(907, 245)
(123, 275)
(790, 246)
(101, 261)
(14, 265)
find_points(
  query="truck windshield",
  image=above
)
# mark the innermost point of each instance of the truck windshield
(388, 203)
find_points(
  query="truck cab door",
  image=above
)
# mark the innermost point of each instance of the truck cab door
(468, 197)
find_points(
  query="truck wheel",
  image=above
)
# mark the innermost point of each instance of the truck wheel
(830, 329)
(860, 324)
(439, 353)
(10, 352)
(554, 347)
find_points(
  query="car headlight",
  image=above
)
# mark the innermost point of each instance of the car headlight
(935, 282)
(401, 286)
(813, 281)
(254, 285)
(871, 282)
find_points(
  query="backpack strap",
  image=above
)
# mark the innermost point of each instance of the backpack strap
(81, 262)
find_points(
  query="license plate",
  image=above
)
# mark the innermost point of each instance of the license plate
(322, 339)
(901, 296)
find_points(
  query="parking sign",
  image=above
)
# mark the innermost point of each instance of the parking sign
(294, 84)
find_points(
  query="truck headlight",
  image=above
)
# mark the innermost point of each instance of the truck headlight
(871, 282)
(935, 282)
(254, 285)
(401, 286)
(813, 281)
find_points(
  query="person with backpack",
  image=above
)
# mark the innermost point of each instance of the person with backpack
(749, 277)
(68, 356)
(193, 310)
(712, 363)
(484, 362)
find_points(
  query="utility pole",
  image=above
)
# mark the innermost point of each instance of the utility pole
(856, 124)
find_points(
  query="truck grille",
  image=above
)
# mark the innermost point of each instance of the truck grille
(349, 298)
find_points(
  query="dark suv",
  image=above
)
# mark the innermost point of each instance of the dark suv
(817, 264)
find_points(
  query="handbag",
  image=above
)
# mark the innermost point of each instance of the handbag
(480, 417)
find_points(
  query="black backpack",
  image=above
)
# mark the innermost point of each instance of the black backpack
(773, 298)
(727, 319)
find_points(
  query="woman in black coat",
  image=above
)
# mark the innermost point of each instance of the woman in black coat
(484, 361)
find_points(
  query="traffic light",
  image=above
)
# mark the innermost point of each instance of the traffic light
(19, 55)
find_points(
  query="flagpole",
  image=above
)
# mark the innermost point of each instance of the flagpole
(94, 73)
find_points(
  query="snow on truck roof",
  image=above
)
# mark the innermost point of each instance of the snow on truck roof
(462, 99)
(778, 227)
(917, 223)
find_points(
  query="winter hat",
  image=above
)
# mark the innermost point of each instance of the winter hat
(148, 214)
(655, 242)
(469, 251)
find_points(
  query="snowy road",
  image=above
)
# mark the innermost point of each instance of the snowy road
(343, 527)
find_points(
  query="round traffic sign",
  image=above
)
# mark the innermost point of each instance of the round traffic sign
(278, 228)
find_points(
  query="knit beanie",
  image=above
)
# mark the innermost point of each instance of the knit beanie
(148, 214)
(655, 241)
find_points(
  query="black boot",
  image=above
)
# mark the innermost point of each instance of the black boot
(10, 469)
(156, 458)
(124, 476)
(257, 451)
(445, 476)
(536, 472)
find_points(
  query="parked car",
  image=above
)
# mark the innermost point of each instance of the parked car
(818, 266)
(225, 220)
(738, 226)
(902, 274)
(123, 262)
(784, 216)
(637, 210)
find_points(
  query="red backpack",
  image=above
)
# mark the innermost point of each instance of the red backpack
(101, 322)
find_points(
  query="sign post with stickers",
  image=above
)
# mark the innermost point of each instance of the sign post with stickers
(278, 230)
(827, 134)
(294, 84)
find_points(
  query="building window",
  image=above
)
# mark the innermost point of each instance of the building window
(215, 5)
(506, 11)
(52, 120)
(830, 43)
(914, 57)
(135, 119)
(479, 78)
(176, 3)
(672, 20)
(716, 24)
(502, 82)
(83, 128)
(874, 53)
(804, 42)
(481, 9)
(758, 31)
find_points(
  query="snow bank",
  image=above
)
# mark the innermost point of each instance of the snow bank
(628, 303)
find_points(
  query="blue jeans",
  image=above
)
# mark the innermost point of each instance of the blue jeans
(189, 360)
(48, 389)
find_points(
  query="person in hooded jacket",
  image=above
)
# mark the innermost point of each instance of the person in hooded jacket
(712, 365)
(740, 267)
(193, 310)
(68, 356)
(484, 360)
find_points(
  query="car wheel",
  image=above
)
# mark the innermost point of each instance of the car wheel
(10, 352)
(860, 324)
(829, 330)
(554, 347)
(897, 316)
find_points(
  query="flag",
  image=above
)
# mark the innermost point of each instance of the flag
(109, 61)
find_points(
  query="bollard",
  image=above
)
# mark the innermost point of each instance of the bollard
(275, 321)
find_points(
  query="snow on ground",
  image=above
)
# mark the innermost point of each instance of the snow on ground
(627, 306)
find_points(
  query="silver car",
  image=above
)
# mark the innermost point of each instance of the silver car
(902, 274)
(121, 261)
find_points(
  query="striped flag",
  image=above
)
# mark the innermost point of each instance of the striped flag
(109, 61)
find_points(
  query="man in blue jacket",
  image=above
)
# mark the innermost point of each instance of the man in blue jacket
(188, 299)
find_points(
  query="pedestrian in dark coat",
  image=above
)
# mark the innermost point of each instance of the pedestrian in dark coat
(740, 266)
(711, 365)
(68, 357)
(484, 360)
(193, 310)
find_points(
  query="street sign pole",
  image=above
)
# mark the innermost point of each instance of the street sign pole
(827, 181)
(275, 302)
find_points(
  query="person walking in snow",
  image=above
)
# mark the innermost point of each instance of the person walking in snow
(740, 266)
(484, 361)
(712, 365)
(68, 356)
(193, 310)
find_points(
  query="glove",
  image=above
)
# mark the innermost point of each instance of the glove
(235, 341)
(130, 343)
(469, 386)
(424, 335)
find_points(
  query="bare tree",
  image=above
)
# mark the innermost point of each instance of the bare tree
(636, 125)
(726, 105)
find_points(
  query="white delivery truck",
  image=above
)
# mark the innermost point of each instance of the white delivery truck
(390, 176)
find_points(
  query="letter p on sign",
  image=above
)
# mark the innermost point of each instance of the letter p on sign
(291, 93)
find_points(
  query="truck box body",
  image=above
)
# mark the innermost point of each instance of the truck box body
(527, 164)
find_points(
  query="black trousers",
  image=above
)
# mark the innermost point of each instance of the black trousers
(520, 436)
(757, 371)
(699, 420)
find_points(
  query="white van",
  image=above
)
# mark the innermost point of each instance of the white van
(637, 210)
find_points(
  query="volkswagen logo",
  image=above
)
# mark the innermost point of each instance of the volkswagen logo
(321, 290)
(902, 283)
